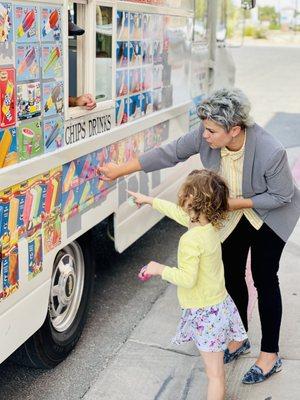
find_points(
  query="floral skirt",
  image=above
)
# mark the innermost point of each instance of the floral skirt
(211, 328)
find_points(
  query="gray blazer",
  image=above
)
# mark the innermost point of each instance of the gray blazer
(267, 178)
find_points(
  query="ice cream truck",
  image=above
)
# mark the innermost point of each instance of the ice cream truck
(147, 63)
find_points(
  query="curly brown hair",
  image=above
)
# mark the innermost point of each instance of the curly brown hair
(204, 192)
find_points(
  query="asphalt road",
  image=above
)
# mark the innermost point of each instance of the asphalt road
(270, 76)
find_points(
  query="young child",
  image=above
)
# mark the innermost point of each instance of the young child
(209, 316)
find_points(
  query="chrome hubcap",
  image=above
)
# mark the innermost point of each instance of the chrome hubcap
(66, 287)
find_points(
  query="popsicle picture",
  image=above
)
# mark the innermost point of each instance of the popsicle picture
(27, 62)
(52, 232)
(8, 147)
(7, 97)
(69, 202)
(122, 25)
(70, 177)
(86, 164)
(122, 111)
(35, 254)
(50, 23)
(53, 134)
(10, 270)
(26, 23)
(52, 61)
(6, 23)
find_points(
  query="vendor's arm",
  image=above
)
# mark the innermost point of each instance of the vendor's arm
(169, 155)
(158, 158)
(86, 100)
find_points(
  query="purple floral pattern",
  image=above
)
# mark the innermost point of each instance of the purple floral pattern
(211, 328)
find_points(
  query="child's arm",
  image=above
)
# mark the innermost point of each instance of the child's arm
(188, 265)
(165, 207)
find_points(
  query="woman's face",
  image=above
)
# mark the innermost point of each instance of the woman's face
(216, 136)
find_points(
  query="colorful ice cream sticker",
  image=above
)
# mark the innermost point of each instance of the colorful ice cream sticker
(28, 100)
(53, 98)
(8, 147)
(50, 24)
(7, 97)
(30, 140)
(53, 134)
(26, 23)
(6, 23)
(27, 62)
(52, 66)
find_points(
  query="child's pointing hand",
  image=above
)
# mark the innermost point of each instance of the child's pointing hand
(140, 199)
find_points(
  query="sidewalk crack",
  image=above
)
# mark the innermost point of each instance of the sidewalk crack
(155, 346)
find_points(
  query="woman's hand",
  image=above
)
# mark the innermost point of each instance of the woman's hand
(140, 198)
(154, 268)
(109, 172)
(239, 204)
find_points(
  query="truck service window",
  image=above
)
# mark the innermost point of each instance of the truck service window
(103, 53)
(76, 81)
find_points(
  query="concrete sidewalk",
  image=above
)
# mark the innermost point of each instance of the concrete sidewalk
(148, 367)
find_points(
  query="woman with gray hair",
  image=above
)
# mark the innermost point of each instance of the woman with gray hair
(264, 209)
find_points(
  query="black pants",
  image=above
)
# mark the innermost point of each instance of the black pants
(266, 248)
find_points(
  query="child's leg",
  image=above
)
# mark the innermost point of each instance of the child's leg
(215, 371)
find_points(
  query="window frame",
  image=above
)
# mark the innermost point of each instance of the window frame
(86, 71)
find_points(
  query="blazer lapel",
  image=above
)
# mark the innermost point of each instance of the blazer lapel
(248, 160)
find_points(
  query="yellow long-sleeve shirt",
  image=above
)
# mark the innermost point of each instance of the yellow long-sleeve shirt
(200, 274)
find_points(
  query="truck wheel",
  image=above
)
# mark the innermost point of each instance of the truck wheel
(70, 294)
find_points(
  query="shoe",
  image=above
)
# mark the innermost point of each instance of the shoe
(244, 349)
(256, 375)
(73, 29)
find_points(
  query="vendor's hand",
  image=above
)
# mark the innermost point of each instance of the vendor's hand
(87, 101)
(140, 198)
(154, 268)
(239, 203)
(109, 172)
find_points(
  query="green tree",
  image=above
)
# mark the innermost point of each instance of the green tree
(268, 13)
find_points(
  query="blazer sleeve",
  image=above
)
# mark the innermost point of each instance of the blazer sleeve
(169, 155)
(280, 185)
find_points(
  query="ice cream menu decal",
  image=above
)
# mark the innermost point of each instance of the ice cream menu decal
(31, 123)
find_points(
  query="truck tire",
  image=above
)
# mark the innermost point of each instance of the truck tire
(70, 295)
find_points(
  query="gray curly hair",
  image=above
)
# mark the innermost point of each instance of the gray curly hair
(227, 107)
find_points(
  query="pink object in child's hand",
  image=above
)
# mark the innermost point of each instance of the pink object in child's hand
(143, 276)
